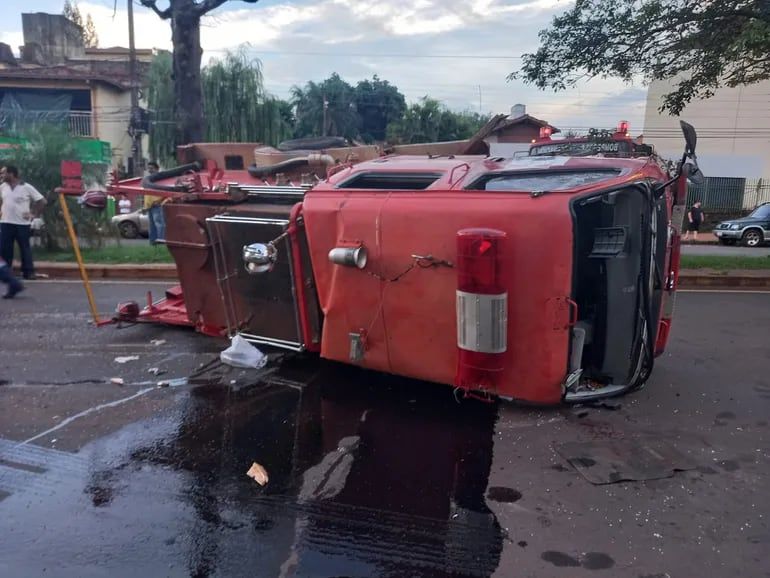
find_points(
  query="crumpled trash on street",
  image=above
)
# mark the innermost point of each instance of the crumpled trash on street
(241, 353)
(126, 358)
(258, 474)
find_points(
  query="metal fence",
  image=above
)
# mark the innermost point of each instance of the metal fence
(727, 194)
(77, 123)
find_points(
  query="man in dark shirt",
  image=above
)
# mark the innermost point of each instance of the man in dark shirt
(695, 218)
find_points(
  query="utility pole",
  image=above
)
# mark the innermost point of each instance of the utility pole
(480, 100)
(133, 124)
(326, 107)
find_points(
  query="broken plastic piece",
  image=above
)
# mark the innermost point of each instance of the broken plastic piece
(241, 353)
(258, 474)
(157, 342)
(117, 380)
(126, 358)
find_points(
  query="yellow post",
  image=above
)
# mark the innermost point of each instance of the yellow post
(76, 247)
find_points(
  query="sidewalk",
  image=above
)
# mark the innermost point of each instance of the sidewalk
(703, 239)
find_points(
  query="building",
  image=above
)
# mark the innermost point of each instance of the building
(733, 129)
(58, 80)
(509, 134)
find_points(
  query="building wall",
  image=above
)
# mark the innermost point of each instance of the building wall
(514, 139)
(733, 129)
(56, 37)
(112, 111)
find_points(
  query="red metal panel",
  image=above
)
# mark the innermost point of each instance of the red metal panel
(412, 320)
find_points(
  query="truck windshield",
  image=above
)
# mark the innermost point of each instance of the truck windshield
(546, 181)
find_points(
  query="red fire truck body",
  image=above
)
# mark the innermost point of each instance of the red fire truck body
(542, 279)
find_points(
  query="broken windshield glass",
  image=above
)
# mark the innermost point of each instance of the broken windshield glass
(550, 181)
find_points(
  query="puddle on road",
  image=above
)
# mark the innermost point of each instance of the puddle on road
(369, 476)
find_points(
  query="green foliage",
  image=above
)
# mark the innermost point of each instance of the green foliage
(40, 165)
(333, 100)
(236, 106)
(430, 121)
(724, 263)
(72, 13)
(139, 254)
(704, 45)
(160, 101)
(378, 103)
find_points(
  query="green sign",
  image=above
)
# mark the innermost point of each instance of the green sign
(89, 151)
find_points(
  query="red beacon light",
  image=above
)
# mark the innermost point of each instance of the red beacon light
(482, 309)
(545, 132)
(623, 127)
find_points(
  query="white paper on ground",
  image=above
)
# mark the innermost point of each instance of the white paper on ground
(241, 353)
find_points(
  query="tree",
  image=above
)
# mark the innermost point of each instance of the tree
(378, 103)
(327, 108)
(72, 13)
(703, 44)
(87, 30)
(90, 37)
(430, 121)
(160, 102)
(235, 105)
(185, 17)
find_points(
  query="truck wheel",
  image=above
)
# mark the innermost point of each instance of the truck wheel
(752, 238)
(128, 230)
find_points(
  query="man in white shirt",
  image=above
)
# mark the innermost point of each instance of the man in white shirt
(20, 203)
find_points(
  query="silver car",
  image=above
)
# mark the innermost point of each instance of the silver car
(132, 225)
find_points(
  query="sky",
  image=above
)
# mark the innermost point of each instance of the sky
(457, 51)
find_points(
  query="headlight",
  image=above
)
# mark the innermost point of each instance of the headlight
(735, 227)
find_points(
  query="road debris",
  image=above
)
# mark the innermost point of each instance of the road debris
(156, 371)
(158, 342)
(126, 358)
(117, 380)
(241, 353)
(258, 474)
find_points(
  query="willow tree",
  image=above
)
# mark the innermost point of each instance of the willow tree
(236, 106)
(160, 102)
(185, 17)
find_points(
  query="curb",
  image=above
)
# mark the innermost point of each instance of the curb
(125, 272)
(165, 271)
(691, 278)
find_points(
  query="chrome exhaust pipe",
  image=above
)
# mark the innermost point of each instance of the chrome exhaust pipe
(349, 256)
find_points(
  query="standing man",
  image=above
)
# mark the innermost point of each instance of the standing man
(694, 220)
(155, 210)
(21, 202)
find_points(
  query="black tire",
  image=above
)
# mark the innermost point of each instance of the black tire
(128, 230)
(752, 238)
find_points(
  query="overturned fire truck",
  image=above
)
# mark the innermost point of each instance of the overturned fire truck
(543, 279)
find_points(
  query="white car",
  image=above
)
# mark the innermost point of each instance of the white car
(132, 225)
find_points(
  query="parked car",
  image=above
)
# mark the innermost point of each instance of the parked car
(752, 230)
(132, 225)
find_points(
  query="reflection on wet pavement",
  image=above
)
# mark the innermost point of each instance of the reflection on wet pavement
(369, 476)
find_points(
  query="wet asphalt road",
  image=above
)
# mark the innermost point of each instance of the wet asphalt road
(369, 475)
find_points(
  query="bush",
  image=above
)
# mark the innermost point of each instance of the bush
(40, 165)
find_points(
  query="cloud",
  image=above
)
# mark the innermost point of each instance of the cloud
(457, 51)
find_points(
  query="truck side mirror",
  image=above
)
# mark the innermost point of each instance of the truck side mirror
(690, 137)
